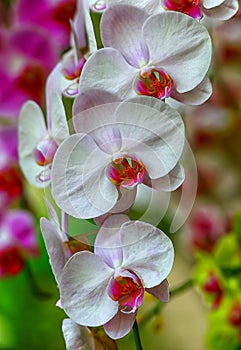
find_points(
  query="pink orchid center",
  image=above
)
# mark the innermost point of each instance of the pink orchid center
(44, 151)
(154, 82)
(189, 7)
(71, 69)
(127, 172)
(127, 289)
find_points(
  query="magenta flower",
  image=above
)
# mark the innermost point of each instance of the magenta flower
(51, 16)
(164, 55)
(107, 287)
(120, 146)
(18, 241)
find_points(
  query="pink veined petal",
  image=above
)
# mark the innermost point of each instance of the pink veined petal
(224, 11)
(169, 182)
(78, 175)
(107, 244)
(121, 28)
(161, 291)
(31, 129)
(120, 325)
(197, 96)
(59, 127)
(147, 251)
(54, 246)
(84, 290)
(124, 203)
(107, 70)
(184, 54)
(88, 99)
(76, 336)
(208, 4)
(150, 6)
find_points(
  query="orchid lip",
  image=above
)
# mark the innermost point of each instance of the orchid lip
(189, 7)
(127, 290)
(45, 150)
(155, 82)
(44, 175)
(127, 172)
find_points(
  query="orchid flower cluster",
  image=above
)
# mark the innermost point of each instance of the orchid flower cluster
(123, 133)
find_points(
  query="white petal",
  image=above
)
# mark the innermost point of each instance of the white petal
(121, 28)
(180, 46)
(120, 325)
(208, 4)
(224, 11)
(107, 70)
(59, 127)
(31, 129)
(107, 244)
(197, 96)
(169, 182)
(54, 247)
(149, 6)
(84, 290)
(76, 337)
(88, 99)
(80, 185)
(161, 291)
(147, 251)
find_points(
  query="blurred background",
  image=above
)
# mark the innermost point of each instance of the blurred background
(205, 307)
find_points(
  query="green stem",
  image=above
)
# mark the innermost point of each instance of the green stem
(33, 284)
(137, 336)
(183, 286)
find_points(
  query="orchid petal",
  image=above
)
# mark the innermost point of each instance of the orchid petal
(208, 4)
(150, 6)
(120, 325)
(107, 70)
(53, 84)
(54, 247)
(169, 182)
(121, 28)
(76, 336)
(78, 173)
(88, 99)
(107, 238)
(31, 129)
(84, 290)
(147, 251)
(124, 203)
(184, 48)
(197, 96)
(59, 127)
(224, 11)
(161, 291)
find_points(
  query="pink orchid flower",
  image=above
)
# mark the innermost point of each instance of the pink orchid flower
(38, 143)
(107, 287)
(10, 176)
(118, 146)
(217, 9)
(164, 55)
(27, 56)
(18, 241)
(51, 16)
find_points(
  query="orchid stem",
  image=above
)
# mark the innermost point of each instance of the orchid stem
(137, 336)
(183, 286)
(33, 284)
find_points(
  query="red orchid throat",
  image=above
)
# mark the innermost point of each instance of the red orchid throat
(127, 172)
(128, 291)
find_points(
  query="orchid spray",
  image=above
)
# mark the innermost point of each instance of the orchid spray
(130, 70)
